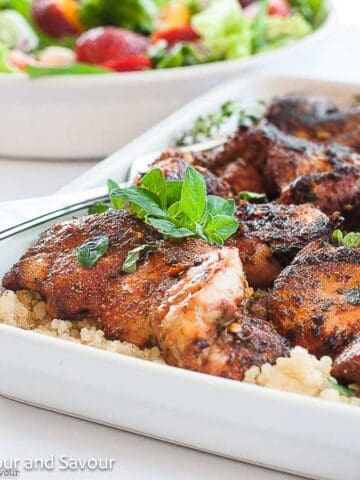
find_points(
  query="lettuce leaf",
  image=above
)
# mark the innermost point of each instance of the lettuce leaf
(180, 55)
(282, 30)
(314, 11)
(137, 15)
(225, 31)
(16, 32)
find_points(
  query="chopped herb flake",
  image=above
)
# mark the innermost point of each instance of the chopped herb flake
(347, 392)
(253, 197)
(91, 251)
(133, 256)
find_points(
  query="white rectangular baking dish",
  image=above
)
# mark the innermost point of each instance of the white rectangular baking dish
(284, 431)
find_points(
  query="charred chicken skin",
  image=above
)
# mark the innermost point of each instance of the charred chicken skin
(316, 118)
(292, 170)
(182, 296)
(270, 235)
(346, 365)
(315, 301)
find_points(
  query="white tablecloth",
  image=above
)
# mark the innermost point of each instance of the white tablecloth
(28, 432)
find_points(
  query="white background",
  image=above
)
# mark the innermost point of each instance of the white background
(28, 432)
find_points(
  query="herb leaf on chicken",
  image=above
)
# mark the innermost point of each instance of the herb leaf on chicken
(178, 209)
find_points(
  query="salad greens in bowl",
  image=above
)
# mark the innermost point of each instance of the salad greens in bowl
(67, 37)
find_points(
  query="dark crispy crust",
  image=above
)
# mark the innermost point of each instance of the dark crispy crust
(316, 118)
(270, 235)
(346, 366)
(337, 190)
(311, 300)
(256, 342)
(298, 171)
(121, 302)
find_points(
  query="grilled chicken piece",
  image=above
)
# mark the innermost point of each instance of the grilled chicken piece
(174, 164)
(336, 191)
(50, 267)
(243, 176)
(299, 171)
(270, 235)
(315, 302)
(346, 367)
(240, 161)
(190, 322)
(316, 118)
(181, 297)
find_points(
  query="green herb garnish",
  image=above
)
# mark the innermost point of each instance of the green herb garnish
(347, 392)
(91, 251)
(74, 69)
(253, 197)
(178, 209)
(133, 256)
(205, 127)
(98, 207)
(351, 239)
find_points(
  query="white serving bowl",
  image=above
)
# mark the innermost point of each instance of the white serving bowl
(88, 117)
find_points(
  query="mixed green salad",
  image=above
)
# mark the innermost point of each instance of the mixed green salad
(57, 37)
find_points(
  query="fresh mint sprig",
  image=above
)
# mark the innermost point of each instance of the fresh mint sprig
(178, 209)
(351, 239)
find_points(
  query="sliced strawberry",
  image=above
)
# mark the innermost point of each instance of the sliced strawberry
(135, 63)
(175, 35)
(102, 44)
(279, 7)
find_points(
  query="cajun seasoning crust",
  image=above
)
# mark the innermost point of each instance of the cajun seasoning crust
(248, 342)
(346, 366)
(338, 190)
(297, 170)
(270, 235)
(120, 301)
(310, 302)
(316, 118)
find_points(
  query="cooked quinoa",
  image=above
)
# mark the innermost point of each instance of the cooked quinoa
(300, 373)
(26, 311)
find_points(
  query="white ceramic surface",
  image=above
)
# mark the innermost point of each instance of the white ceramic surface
(284, 431)
(90, 117)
